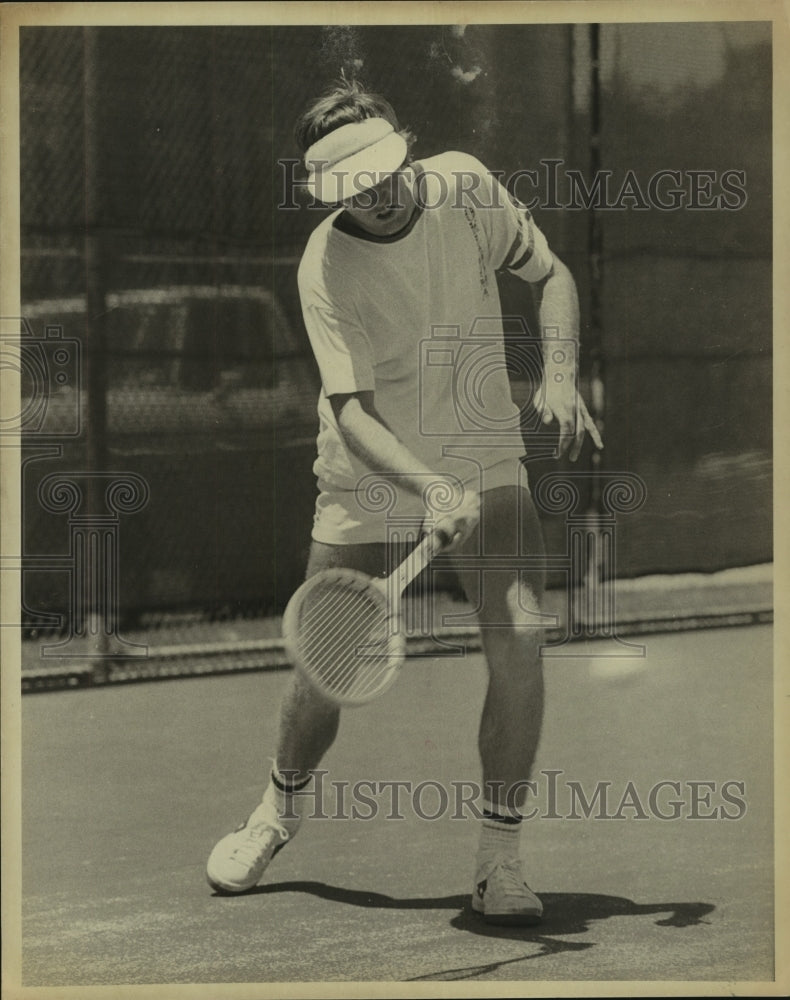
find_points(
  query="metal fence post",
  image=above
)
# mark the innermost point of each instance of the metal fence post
(95, 307)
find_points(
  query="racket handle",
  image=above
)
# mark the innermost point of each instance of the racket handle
(416, 561)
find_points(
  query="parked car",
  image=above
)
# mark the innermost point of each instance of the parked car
(211, 398)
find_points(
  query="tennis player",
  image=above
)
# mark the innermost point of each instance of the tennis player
(398, 291)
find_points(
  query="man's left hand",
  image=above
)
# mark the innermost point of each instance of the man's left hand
(566, 406)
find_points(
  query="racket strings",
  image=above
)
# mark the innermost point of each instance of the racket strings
(342, 664)
(344, 638)
(335, 649)
(335, 606)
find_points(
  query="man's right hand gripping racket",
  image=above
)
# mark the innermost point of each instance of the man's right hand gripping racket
(343, 630)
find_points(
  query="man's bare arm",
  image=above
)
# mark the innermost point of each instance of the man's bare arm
(369, 438)
(558, 399)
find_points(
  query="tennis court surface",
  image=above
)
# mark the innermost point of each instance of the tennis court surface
(127, 787)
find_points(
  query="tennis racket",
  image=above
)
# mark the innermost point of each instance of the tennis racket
(343, 631)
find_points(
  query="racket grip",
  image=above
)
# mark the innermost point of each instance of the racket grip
(417, 560)
(435, 542)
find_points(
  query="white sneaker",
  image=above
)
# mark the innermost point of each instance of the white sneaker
(239, 860)
(501, 894)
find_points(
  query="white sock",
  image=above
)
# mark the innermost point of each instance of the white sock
(500, 837)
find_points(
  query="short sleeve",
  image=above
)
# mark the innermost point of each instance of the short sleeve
(340, 345)
(515, 242)
(529, 256)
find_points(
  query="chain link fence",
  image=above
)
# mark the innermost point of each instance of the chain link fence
(153, 164)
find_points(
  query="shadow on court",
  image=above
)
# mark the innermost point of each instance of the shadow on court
(125, 791)
(565, 912)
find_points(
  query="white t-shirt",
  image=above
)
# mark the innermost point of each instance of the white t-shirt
(417, 319)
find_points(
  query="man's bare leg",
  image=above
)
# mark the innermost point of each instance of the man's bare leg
(508, 602)
(308, 722)
(308, 726)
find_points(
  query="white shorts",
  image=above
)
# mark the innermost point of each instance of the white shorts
(349, 517)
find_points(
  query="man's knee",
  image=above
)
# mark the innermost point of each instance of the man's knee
(523, 601)
(512, 645)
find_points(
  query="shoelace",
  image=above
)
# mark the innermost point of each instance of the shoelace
(255, 844)
(513, 877)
